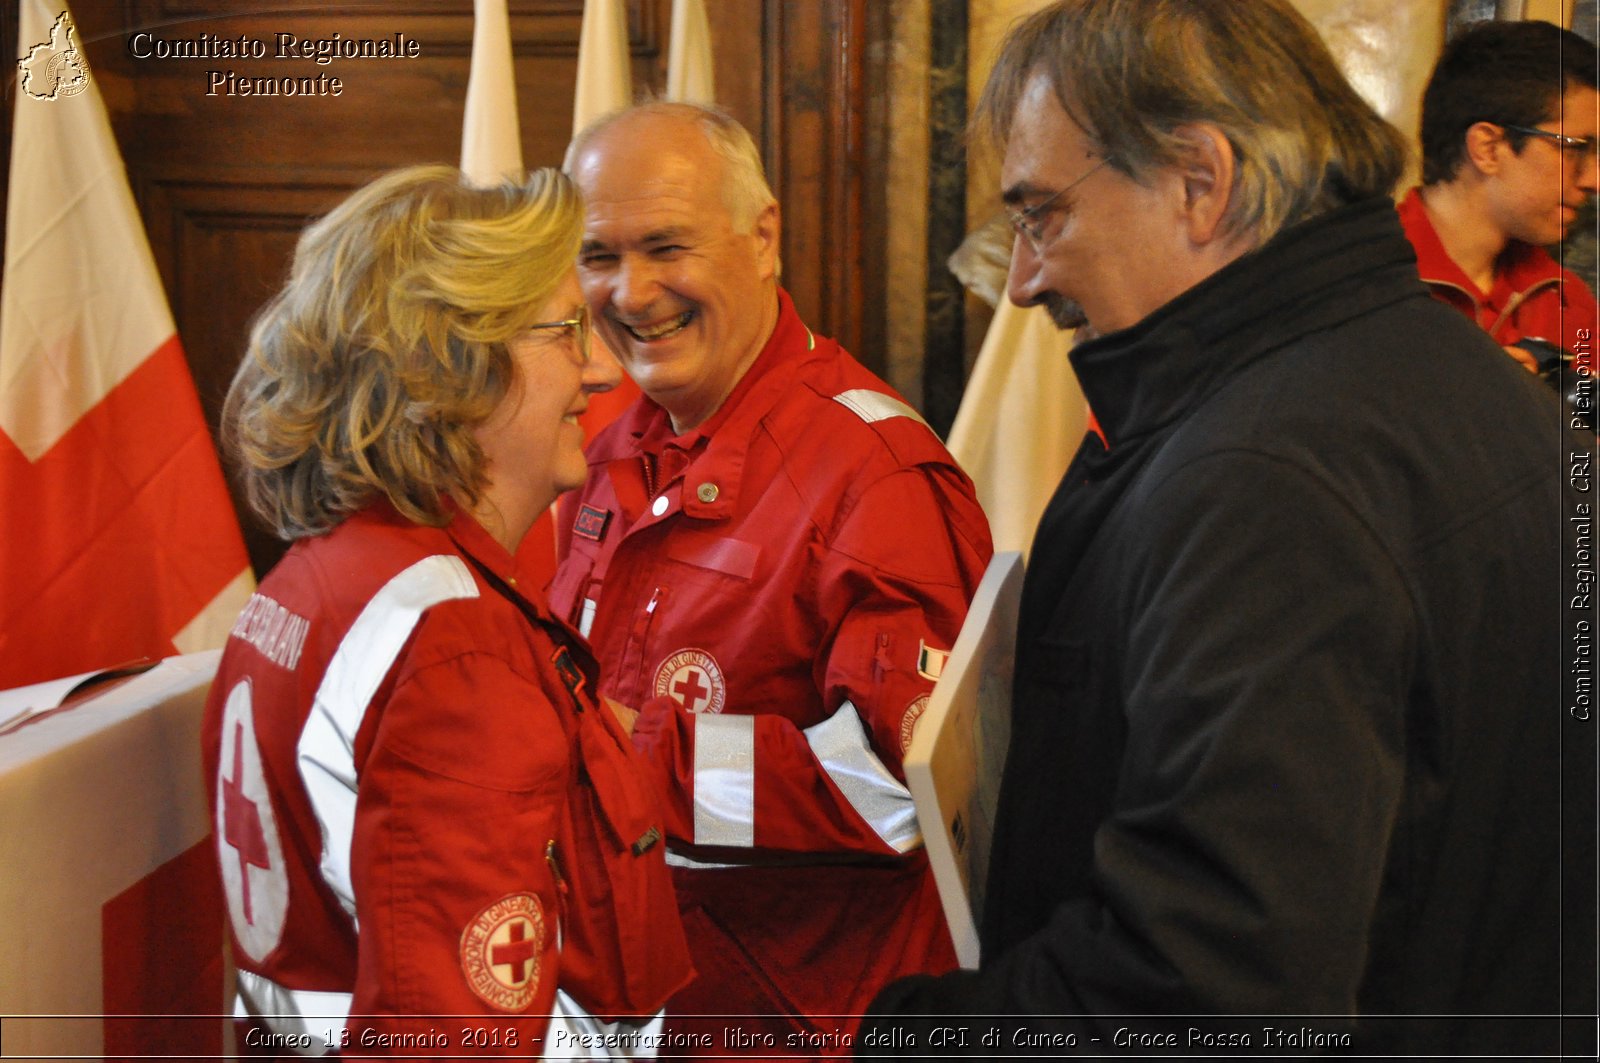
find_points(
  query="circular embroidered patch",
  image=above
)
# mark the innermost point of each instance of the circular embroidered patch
(500, 951)
(694, 680)
(908, 722)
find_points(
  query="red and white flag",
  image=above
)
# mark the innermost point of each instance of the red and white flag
(117, 537)
(113, 909)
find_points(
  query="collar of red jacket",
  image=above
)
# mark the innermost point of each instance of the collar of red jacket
(1520, 265)
(718, 447)
(468, 536)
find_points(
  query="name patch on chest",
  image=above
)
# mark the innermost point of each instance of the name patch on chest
(591, 523)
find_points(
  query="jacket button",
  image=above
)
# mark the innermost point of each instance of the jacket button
(706, 492)
(659, 506)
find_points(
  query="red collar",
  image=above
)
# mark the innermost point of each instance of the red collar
(1519, 266)
(646, 427)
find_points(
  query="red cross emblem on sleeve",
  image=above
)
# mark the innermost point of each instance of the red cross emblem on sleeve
(693, 679)
(690, 690)
(241, 823)
(249, 852)
(515, 952)
(502, 951)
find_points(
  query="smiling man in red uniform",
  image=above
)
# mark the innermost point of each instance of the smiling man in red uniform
(1509, 120)
(775, 540)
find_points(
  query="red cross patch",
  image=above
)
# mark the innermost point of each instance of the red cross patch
(693, 679)
(502, 951)
(241, 824)
(908, 722)
(249, 852)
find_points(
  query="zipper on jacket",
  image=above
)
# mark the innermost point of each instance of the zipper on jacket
(1477, 307)
(553, 859)
(633, 663)
(1518, 298)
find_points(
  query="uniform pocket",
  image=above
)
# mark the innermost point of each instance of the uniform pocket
(731, 557)
(627, 954)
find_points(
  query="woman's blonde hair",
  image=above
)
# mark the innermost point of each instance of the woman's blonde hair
(368, 373)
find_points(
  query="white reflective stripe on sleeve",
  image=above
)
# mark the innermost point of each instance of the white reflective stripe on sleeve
(840, 744)
(296, 1015)
(364, 657)
(725, 780)
(875, 405)
(681, 860)
(576, 1034)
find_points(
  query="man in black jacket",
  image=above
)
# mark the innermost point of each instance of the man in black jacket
(1302, 747)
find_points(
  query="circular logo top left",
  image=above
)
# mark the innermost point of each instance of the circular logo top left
(54, 69)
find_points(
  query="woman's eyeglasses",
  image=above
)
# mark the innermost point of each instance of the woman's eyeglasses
(579, 326)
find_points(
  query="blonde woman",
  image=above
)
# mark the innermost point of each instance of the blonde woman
(421, 810)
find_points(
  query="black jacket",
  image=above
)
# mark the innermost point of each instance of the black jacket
(1289, 708)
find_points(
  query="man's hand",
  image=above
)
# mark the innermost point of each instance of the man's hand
(624, 715)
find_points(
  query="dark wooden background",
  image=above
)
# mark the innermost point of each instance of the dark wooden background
(226, 183)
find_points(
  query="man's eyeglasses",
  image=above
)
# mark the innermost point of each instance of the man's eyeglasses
(580, 330)
(1029, 222)
(1578, 147)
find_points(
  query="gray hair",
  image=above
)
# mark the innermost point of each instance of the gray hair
(1132, 72)
(745, 190)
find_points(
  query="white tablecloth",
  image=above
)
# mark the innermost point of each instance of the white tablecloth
(108, 893)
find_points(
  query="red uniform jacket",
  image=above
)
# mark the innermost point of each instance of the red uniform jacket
(420, 811)
(785, 582)
(1533, 297)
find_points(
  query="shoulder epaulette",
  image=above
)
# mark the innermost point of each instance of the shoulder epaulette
(873, 406)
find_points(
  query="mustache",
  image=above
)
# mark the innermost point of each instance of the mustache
(1064, 312)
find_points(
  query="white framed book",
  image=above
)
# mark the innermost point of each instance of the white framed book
(958, 751)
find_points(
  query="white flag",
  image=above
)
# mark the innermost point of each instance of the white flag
(491, 143)
(1021, 419)
(605, 84)
(689, 67)
(605, 79)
